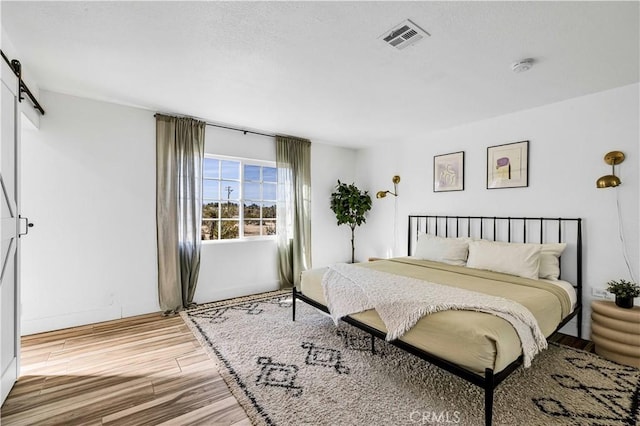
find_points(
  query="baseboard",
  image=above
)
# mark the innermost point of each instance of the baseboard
(74, 319)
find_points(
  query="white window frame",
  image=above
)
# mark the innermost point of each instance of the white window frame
(243, 161)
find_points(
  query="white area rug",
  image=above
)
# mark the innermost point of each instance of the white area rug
(309, 372)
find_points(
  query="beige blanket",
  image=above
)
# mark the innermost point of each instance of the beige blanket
(401, 301)
(472, 340)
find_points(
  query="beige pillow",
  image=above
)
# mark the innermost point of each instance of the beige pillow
(518, 259)
(550, 260)
(440, 249)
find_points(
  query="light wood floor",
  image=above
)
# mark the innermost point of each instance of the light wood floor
(145, 370)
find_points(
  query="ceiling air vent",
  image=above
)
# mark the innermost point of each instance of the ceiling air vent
(404, 34)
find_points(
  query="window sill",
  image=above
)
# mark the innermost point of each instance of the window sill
(239, 241)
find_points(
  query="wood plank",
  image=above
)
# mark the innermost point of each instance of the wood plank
(226, 411)
(55, 335)
(148, 369)
(83, 407)
(571, 341)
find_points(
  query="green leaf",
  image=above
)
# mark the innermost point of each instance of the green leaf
(350, 205)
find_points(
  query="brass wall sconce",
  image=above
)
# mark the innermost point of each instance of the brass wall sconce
(608, 181)
(396, 181)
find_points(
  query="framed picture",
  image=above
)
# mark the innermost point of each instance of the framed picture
(508, 165)
(448, 172)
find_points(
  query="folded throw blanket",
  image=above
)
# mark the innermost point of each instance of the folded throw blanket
(401, 301)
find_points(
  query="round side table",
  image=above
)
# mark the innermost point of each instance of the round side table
(616, 332)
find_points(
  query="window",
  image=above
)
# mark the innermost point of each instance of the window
(239, 198)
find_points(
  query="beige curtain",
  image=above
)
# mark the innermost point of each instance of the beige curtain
(293, 159)
(179, 157)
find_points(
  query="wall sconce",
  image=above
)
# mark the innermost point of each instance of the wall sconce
(611, 181)
(396, 181)
(607, 181)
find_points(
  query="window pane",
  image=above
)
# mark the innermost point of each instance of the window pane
(229, 210)
(210, 189)
(252, 191)
(251, 228)
(211, 168)
(251, 210)
(227, 199)
(269, 210)
(269, 191)
(230, 229)
(209, 230)
(230, 169)
(269, 174)
(229, 190)
(268, 227)
(252, 173)
(210, 209)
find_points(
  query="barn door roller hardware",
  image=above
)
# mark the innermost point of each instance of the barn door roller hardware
(16, 67)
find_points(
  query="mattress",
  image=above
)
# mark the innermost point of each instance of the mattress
(472, 340)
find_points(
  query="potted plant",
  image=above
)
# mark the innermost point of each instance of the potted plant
(350, 204)
(625, 291)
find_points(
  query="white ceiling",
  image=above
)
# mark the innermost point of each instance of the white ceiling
(318, 69)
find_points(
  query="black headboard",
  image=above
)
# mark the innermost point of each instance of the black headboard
(509, 229)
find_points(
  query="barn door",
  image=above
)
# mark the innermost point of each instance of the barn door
(9, 241)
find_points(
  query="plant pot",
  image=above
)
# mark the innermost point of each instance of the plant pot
(624, 302)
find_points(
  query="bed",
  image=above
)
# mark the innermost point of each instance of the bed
(492, 346)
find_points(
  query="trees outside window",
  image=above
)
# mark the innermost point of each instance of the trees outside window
(239, 199)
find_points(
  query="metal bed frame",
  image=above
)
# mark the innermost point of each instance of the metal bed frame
(479, 227)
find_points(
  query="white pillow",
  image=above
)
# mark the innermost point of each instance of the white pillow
(440, 249)
(549, 260)
(518, 259)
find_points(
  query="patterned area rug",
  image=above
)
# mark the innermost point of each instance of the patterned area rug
(309, 372)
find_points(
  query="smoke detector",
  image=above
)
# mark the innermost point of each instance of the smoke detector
(522, 66)
(403, 35)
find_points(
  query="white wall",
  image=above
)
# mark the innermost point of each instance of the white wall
(330, 243)
(88, 184)
(567, 143)
(89, 187)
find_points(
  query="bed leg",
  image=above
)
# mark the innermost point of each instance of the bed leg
(580, 324)
(488, 396)
(293, 303)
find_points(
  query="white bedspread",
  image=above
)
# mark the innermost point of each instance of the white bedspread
(401, 301)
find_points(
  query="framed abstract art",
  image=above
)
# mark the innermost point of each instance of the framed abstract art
(448, 172)
(508, 165)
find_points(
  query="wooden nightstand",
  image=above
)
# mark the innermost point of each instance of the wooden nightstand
(616, 332)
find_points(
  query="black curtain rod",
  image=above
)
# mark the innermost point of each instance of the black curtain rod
(16, 67)
(233, 128)
(240, 130)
